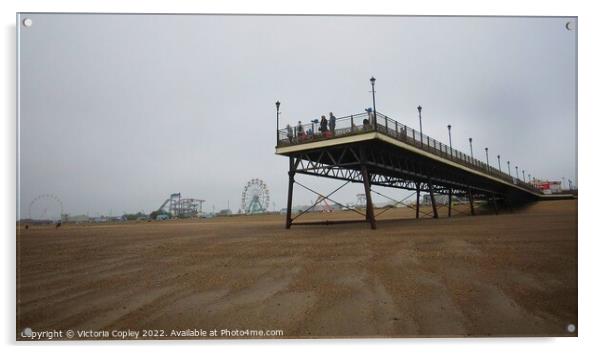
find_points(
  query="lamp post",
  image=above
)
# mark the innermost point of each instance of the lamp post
(372, 81)
(450, 144)
(516, 167)
(509, 173)
(277, 120)
(487, 157)
(420, 122)
(470, 142)
(524, 176)
(499, 164)
(529, 178)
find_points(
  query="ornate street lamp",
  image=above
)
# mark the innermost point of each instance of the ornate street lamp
(487, 157)
(420, 121)
(277, 120)
(470, 142)
(372, 81)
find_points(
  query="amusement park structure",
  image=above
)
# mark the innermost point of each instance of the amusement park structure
(46, 208)
(372, 149)
(182, 207)
(255, 197)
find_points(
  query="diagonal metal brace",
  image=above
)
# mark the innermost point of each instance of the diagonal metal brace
(398, 202)
(327, 197)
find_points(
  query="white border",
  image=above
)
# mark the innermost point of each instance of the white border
(590, 262)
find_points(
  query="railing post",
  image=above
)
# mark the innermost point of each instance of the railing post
(352, 123)
(396, 130)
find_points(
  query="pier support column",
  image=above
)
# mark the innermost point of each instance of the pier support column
(417, 200)
(433, 202)
(449, 204)
(366, 177)
(291, 182)
(369, 206)
(507, 204)
(494, 203)
(470, 200)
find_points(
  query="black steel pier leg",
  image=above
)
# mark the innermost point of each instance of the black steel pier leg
(289, 201)
(471, 202)
(435, 214)
(508, 202)
(417, 200)
(369, 206)
(494, 203)
(449, 204)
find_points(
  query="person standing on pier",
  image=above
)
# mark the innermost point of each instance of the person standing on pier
(300, 131)
(332, 121)
(289, 133)
(323, 125)
(371, 117)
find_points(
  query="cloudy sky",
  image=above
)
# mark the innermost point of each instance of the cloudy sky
(119, 111)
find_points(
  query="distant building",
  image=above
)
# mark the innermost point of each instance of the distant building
(78, 219)
(548, 187)
(103, 219)
(224, 212)
(441, 199)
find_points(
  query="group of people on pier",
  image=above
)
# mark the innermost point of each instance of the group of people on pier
(326, 127)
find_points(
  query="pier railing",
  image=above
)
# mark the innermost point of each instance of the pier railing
(369, 122)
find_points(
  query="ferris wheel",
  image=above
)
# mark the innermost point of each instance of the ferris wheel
(46, 207)
(255, 197)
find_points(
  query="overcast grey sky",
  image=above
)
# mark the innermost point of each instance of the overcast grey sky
(119, 111)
